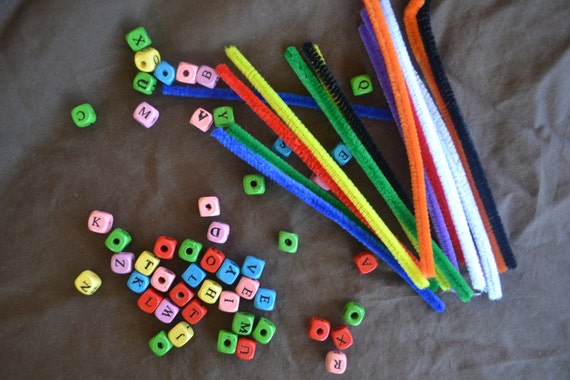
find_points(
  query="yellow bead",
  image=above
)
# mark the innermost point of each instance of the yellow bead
(181, 334)
(210, 291)
(147, 59)
(87, 282)
(146, 263)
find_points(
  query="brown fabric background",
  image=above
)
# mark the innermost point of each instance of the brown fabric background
(508, 63)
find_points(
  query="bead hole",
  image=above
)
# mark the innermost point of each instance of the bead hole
(180, 295)
(263, 332)
(164, 248)
(227, 343)
(253, 183)
(208, 206)
(288, 242)
(354, 315)
(116, 241)
(189, 251)
(161, 280)
(185, 73)
(320, 331)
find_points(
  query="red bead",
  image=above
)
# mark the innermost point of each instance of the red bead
(319, 329)
(212, 260)
(181, 294)
(194, 311)
(366, 262)
(342, 337)
(164, 247)
(245, 348)
(149, 301)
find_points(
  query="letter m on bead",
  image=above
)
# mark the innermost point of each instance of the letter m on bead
(144, 113)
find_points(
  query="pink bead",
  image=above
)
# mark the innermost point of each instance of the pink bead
(207, 77)
(335, 362)
(209, 206)
(316, 179)
(228, 301)
(146, 114)
(202, 119)
(122, 263)
(186, 73)
(162, 278)
(166, 311)
(247, 287)
(100, 222)
(218, 232)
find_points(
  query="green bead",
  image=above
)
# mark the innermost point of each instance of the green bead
(361, 84)
(288, 242)
(83, 115)
(138, 38)
(227, 342)
(242, 323)
(160, 344)
(264, 330)
(353, 313)
(118, 240)
(254, 184)
(189, 250)
(145, 83)
(223, 116)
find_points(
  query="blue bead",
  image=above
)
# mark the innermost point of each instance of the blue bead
(264, 299)
(280, 147)
(138, 282)
(253, 267)
(341, 154)
(228, 272)
(165, 73)
(193, 275)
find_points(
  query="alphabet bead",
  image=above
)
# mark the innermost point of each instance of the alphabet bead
(87, 282)
(264, 299)
(194, 311)
(146, 114)
(166, 311)
(210, 291)
(146, 59)
(218, 232)
(253, 267)
(223, 116)
(335, 362)
(319, 329)
(361, 84)
(83, 115)
(341, 154)
(228, 302)
(138, 39)
(254, 184)
(162, 278)
(138, 282)
(366, 262)
(180, 294)
(180, 334)
(164, 247)
(208, 206)
(288, 242)
(245, 349)
(263, 331)
(281, 148)
(247, 287)
(193, 275)
(189, 250)
(144, 83)
(212, 260)
(149, 301)
(228, 272)
(242, 323)
(118, 240)
(165, 72)
(160, 344)
(186, 73)
(146, 263)
(100, 222)
(342, 337)
(227, 342)
(353, 313)
(122, 262)
(202, 119)
(207, 77)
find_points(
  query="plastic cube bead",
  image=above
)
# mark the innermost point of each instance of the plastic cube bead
(100, 222)
(118, 240)
(342, 337)
(253, 267)
(146, 59)
(193, 275)
(186, 73)
(207, 77)
(160, 344)
(208, 206)
(242, 323)
(353, 313)
(138, 282)
(145, 83)
(194, 311)
(166, 311)
(341, 154)
(228, 302)
(210, 291)
(165, 72)
(247, 287)
(281, 148)
(87, 282)
(227, 342)
(180, 334)
(335, 362)
(254, 184)
(288, 242)
(149, 301)
(162, 279)
(138, 39)
(180, 294)
(223, 116)
(316, 179)
(83, 115)
(202, 119)
(264, 331)
(146, 114)
(146, 263)
(264, 299)
(218, 232)
(122, 262)
(365, 261)
(245, 349)
(228, 272)
(361, 84)
(212, 260)
(319, 329)
(164, 247)
(190, 250)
